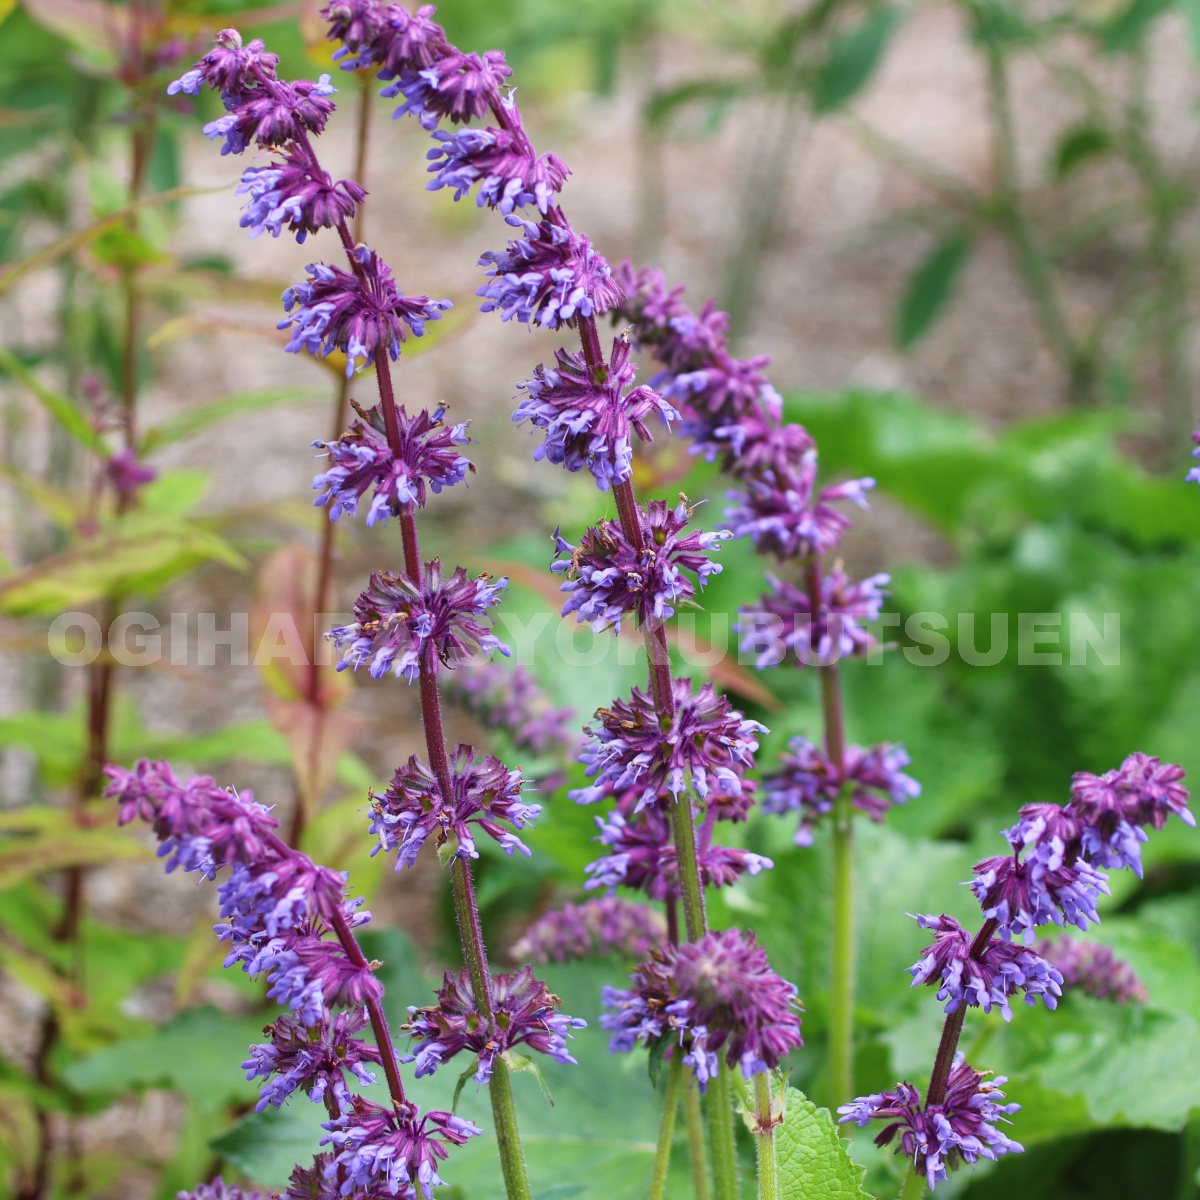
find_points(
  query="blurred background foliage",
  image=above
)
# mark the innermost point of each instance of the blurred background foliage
(121, 1036)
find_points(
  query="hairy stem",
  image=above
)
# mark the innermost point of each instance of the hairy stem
(696, 1140)
(719, 1105)
(666, 1128)
(764, 1139)
(914, 1184)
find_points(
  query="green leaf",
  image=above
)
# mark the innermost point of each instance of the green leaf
(852, 60)
(814, 1160)
(61, 408)
(930, 287)
(1127, 29)
(717, 93)
(1191, 10)
(175, 493)
(66, 846)
(202, 415)
(1078, 145)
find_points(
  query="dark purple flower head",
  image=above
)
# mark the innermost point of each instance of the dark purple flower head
(595, 928)
(636, 749)
(393, 1150)
(641, 855)
(127, 475)
(608, 578)
(938, 1137)
(396, 622)
(589, 422)
(218, 1189)
(549, 276)
(315, 1182)
(412, 809)
(525, 1014)
(354, 311)
(385, 35)
(1023, 895)
(362, 460)
(458, 85)
(279, 114)
(783, 627)
(783, 514)
(314, 1059)
(1142, 791)
(510, 173)
(985, 980)
(295, 194)
(1093, 969)
(234, 70)
(808, 783)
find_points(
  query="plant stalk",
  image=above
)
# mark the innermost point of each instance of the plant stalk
(914, 1184)
(696, 1141)
(764, 1139)
(666, 1128)
(719, 1106)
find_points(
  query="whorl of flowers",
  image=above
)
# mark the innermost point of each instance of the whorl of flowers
(412, 809)
(524, 1011)
(608, 578)
(295, 193)
(396, 621)
(362, 460)
(354, 311)
(807, 782)
(1093, 969)
(589, 422)
(635, 748)
(935, 1138)
(218, 1189)
(783, 626)
(595, 928)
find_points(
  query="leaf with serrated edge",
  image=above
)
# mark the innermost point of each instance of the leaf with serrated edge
(813, 1158)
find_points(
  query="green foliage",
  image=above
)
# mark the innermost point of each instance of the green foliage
(813, 1157)
(930, 288)
(852, 60)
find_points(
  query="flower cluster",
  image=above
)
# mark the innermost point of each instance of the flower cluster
(596, 928)
(218, 1189)
(362, 460)
(608, 577)
(397, 621)
(717, 993)
(636, 748)
(1093, 969)
(962, 1128)
(484, 793)
(524, 1013)
(1193, 476)
(808, 782)
(588, 421)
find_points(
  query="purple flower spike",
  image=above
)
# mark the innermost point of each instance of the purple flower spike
(1023, 895)
(127, 475)
(1143, 791)
(362, 460)
(295, 194)
(939, 1137)
(503, 162)
(459, 86)
(525, 1014)
(218, 1190)
(385, 35)
(1193, 476)
(782, 627)
(485, 793)
(741, 1002)
(312, 1059)
(634, 749)
(235, 70)
(395, 622)
(548, 277)
(354, 312)
(987, 980)
(808, 783)
(607, 578)
(393, 1150)
(588, 423)
(1093, 969)
(596, 928)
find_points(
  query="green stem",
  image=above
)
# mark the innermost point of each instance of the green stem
(914, 1184)
(508, 1138)
(841, 1000)
(696, 1142)
(764, 1139)
(666, 1130)
(719, 1106)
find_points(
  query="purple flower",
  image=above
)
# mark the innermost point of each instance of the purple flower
(230, 68)
(985, 980)
(396, 622)
(808, 783)
(127, 475)
(783, 625)
(783, 514)
(393, 1150)
(1023, 895)
(503, 162)
(642, 855)
(314, 1059)
(362, 459)
(316, 1182)
(525, 1013)
(218, 1189)
(485, 793)
(608, 577)
(459, 86)
(595, 928)
(387, 35)
(937, 1137)
(1093, 969)
(1143, 791)
(634, 748)
(741, 1002)
(548, 277)
(1193, 476)
(296, 194)
(354, 312)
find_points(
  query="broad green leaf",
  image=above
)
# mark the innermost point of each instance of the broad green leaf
(930, 287)
(1078, 145)
(814, 1160)
(175, 493)
(852, 60)
(67, 846)
(61, 408)
(1127, 29)
(193, 419)
(662, 105)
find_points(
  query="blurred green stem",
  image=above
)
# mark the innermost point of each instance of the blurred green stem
(666, 1128)
(914, 1184)
(696, 1143)
(718, 1102)
(764, 1139)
